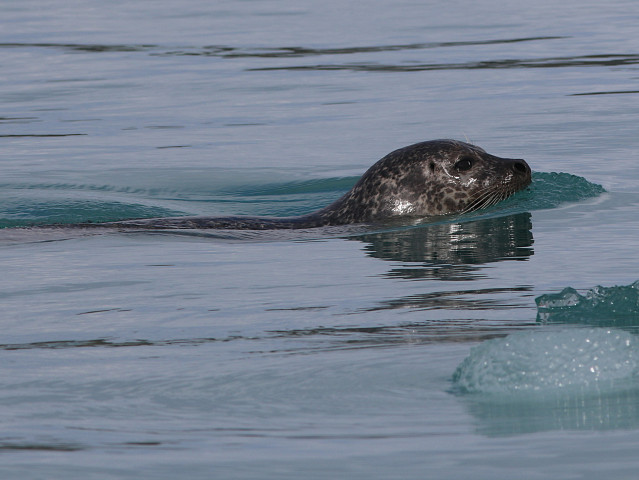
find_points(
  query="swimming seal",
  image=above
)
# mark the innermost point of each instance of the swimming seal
(436, 177)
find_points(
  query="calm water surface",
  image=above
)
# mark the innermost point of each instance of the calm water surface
(321, 354)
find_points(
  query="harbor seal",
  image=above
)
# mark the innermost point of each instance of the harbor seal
(431, 178)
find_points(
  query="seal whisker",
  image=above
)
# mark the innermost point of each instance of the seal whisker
(485, 198)
(489, 196)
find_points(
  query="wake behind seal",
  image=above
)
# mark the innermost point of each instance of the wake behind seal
(436, 177)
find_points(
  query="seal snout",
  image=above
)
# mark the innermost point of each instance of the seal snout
(520, 167)
(521, 170)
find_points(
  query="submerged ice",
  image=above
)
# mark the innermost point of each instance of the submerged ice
(575, 358)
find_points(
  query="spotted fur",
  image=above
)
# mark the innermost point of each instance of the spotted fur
(421, 180)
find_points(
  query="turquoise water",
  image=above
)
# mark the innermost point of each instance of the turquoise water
(498, 345)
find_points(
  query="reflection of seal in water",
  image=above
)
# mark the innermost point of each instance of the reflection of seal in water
(429, 178)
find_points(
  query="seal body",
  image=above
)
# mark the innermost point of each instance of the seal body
(436, 177)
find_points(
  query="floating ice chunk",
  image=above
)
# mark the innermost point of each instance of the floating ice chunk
(550, 360)
(600, 305)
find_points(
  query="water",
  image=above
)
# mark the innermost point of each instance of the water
(322, 354)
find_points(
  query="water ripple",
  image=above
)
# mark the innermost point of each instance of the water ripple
(287, 52)
(226, 51)
(605, 60)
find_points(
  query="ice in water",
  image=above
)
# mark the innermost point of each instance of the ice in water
(550, 360)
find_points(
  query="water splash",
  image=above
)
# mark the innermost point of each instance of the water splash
(550, 190)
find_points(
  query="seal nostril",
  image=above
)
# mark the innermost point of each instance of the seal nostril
(520, 167)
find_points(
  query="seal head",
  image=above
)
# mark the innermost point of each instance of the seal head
(437, 177)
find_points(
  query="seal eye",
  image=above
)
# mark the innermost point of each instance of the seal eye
(464, 164)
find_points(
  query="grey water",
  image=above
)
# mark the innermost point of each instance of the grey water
(324, 353)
